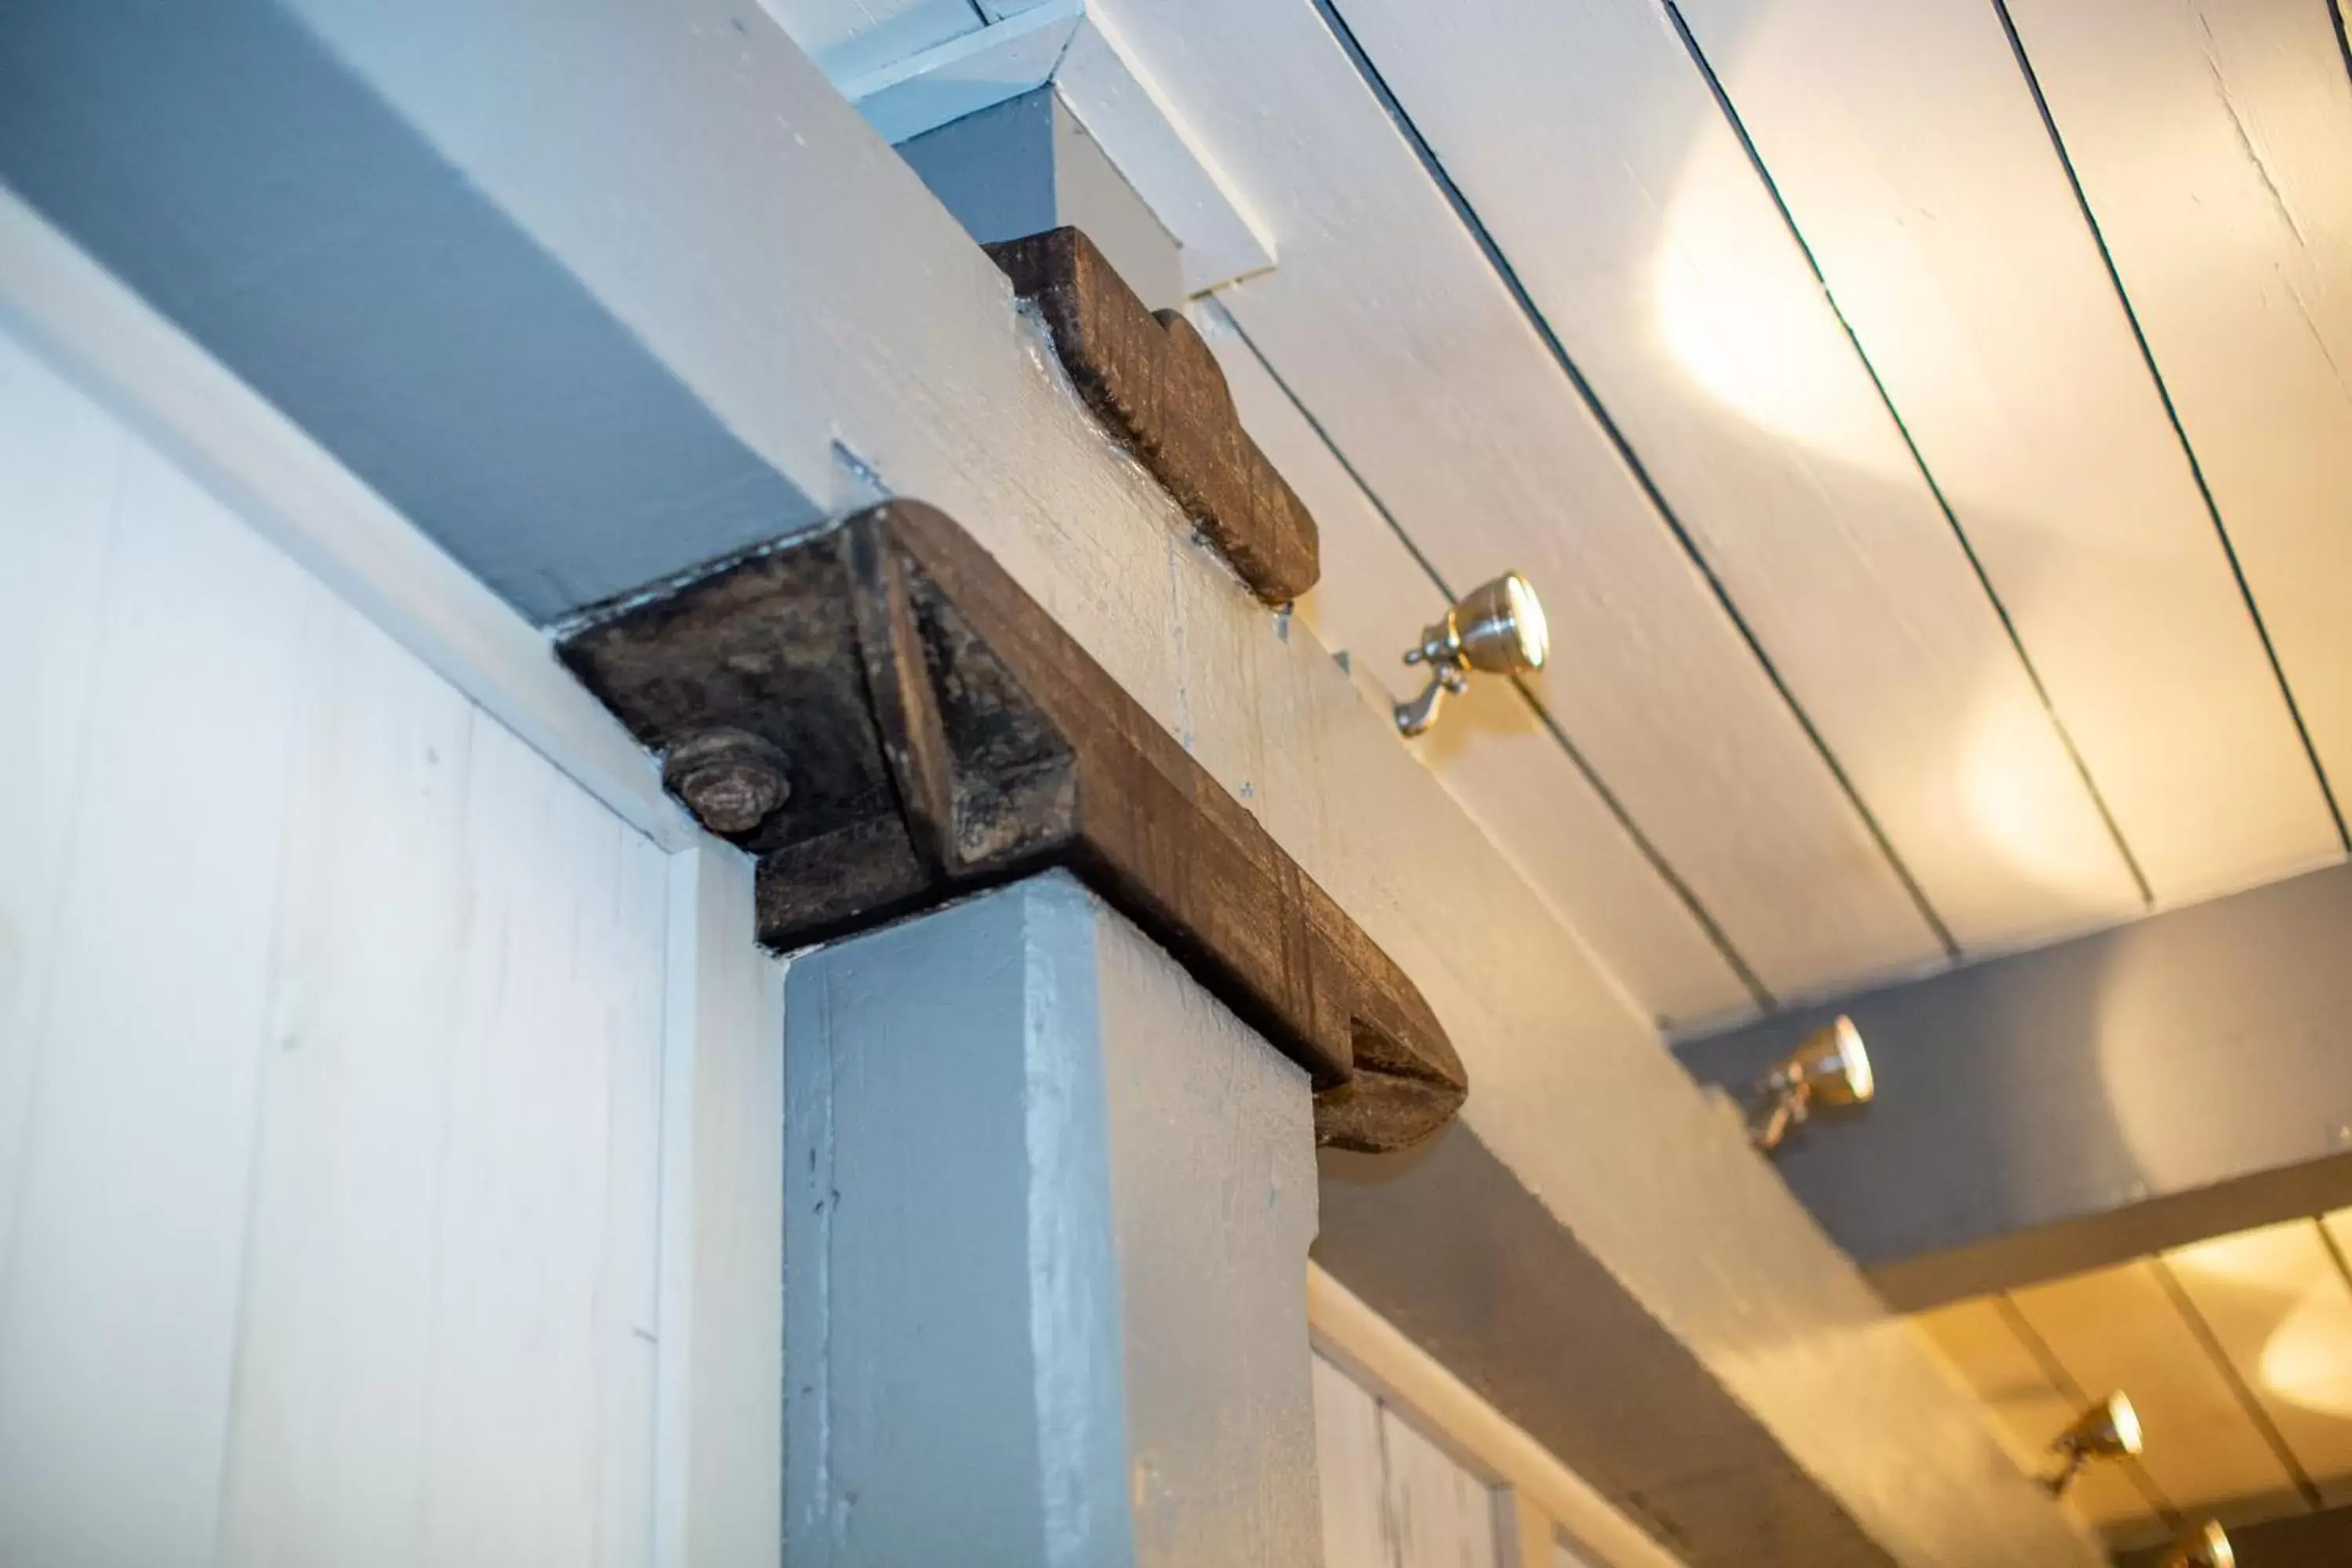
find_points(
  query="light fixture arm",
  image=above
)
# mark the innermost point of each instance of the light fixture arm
(1786, 1109)
(2075, 1459)
(1415, 717)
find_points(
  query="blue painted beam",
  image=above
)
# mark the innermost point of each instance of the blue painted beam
(223, 163)
(2182, 1076)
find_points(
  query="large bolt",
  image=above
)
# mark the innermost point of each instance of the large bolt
(730, 779)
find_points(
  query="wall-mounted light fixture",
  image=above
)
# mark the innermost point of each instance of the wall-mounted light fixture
(1831, 1067)
(2206, 1546)
(2108, 1430)
(1497, 627)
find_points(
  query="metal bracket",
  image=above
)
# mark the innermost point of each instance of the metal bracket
(939, 733)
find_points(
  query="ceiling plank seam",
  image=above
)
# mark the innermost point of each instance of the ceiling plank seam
(1505, 274)
(2064, 1382)
(1738, 125)
(1649, 852)
(2256, 1411)
(2172, 413)
(2343, 43)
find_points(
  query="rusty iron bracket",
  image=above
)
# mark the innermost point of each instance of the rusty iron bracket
(884, 718)
(1154, 385)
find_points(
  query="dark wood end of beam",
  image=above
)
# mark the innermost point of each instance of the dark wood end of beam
(1158, 390)
(937, 733)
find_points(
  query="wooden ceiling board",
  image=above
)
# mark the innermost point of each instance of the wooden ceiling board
(2119, 1328)
(2029, 1409)
(2280, 1306)
(1594, 153)
(1909, 149)
(2214, 141)
(1388, 323)
(851, 38)
(1491, 753)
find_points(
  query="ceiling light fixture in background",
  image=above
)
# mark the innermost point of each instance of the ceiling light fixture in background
(2108, 1430)
(1497, 627)
(2206, 1546)
(1831, 1066)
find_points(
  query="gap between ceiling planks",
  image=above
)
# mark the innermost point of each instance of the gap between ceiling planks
(1968, 547)
(2171, 412)
(1504, 274)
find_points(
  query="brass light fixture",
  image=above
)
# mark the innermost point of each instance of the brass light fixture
(2206, 1546)
(1497, 627)
(2108, 1430)
(1831, 1067)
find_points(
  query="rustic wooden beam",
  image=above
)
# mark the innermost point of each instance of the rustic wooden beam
(1156, 386)
(883, 717)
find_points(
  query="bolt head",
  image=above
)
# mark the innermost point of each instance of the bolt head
(731, 780)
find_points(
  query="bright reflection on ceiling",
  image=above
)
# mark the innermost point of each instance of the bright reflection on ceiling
(1743, 313)
(2009, 752)
(2308, 1358)
(2278, 1287)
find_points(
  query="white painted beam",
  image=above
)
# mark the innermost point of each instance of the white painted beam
(1492, 754)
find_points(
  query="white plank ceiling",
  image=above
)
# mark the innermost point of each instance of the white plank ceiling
(1928, 425)
(2237, 1353)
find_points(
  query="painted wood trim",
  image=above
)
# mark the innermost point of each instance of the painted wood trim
(299, 498)
(1373, 1350)
(718, 1413)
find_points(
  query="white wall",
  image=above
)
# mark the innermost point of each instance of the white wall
(332, 1067)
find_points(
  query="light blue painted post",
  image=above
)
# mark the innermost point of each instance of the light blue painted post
(1048, 1206)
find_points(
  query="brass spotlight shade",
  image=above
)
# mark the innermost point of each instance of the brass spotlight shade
(1497, 627)
(1831, 1066)
(2108, 1430)
(2206, 1546)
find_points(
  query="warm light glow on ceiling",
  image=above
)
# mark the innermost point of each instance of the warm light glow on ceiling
(1743, 313)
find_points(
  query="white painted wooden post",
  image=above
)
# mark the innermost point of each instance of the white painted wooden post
(1047, 1212)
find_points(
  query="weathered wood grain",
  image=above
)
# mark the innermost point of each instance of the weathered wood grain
(942, 732)
(1156, 385)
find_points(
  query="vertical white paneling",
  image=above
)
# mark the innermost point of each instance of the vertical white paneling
(1444, 1516)
(554, 1064)
(334, 1136)
(720, 1422)
(2213, 140)
(1593, 152)
(332, 1387)
(1491, 753)
(1348, 1465)
(1392, 1498)
(117, 1324)
(1906, 144)
(60, 462)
